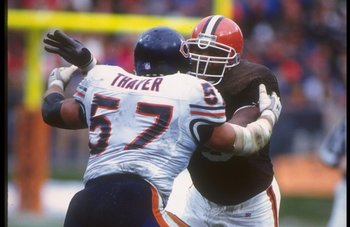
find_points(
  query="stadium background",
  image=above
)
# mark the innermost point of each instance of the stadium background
(302, 41)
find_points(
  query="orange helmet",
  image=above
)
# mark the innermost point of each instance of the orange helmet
(215, 39)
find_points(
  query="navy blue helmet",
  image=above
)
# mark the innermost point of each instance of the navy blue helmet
(161, 51)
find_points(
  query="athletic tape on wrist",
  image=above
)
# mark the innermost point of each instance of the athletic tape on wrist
(253, 137)
(58, 83)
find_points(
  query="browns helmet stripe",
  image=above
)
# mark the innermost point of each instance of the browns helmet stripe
(211, 25)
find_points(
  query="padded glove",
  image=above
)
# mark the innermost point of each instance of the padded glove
(269, 102)
(71, 50)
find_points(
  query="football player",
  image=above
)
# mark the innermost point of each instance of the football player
(143, 128)
(333, 154)
(233, 190)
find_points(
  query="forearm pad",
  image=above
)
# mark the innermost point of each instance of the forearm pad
(254, 136)
(51, 110)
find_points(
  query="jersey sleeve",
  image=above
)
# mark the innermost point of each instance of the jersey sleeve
(81, 89)
(207, 110)
(87, 83)
(264, 76)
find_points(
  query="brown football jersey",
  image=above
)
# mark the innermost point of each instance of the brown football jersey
(236, 179)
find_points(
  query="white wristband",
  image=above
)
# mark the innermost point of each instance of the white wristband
(92, 64)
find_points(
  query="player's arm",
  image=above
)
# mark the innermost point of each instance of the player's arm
(250, 139)
(58, 111)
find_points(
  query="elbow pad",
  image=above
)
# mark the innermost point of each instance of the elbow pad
(51, 110)
(255, 135)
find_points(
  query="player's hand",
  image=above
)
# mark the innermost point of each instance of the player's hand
(61, 76)
(269, 102)
(71, 50)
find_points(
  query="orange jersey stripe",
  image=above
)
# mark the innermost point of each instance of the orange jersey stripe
(208, 114)
(177, 220)
(155, 209)
(271, 195)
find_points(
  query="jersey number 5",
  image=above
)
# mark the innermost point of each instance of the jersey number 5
(162, 114)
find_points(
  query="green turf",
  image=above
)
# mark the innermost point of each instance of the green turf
(305, 211)
(67, 173)
(30, 220)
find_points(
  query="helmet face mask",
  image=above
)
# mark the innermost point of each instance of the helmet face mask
(216, 45)
(210, 59)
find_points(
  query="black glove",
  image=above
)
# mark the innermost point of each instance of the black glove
(70, 50)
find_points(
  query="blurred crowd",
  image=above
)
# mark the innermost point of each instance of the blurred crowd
(302, 41)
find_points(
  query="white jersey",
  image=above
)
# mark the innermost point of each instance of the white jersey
(145, 125)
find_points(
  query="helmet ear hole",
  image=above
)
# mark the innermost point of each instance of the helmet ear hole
(184, 50)
(161, 51)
